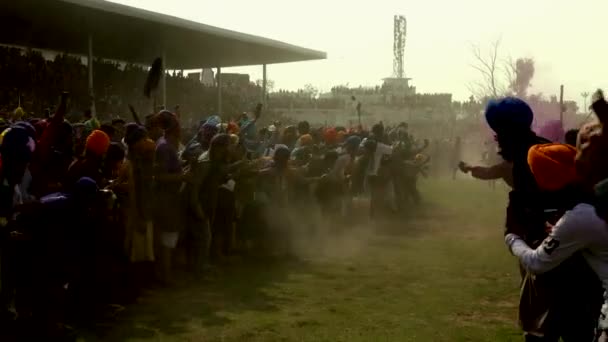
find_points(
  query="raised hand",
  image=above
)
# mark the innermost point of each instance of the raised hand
(464, 167)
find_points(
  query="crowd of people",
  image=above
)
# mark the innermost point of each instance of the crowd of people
(88, 206)
(26, 77)
(304, 99)
(93, 204)
(555, 220)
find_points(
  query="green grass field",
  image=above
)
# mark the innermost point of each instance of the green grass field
(441, 275)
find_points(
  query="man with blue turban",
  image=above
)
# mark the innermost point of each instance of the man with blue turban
(544, 315)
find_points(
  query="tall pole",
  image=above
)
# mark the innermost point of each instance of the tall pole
(219, 91)
(585, 95)
(561, 105)
(90, 71)
(264, 80)
(164, 79)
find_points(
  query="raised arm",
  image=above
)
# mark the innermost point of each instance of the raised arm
(501, 170)
(47, 140)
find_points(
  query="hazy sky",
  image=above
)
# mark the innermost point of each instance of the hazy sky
(566, 38)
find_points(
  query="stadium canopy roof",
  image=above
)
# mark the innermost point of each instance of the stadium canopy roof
(134, 35)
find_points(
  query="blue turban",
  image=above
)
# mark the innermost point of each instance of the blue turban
(214, 120)
(192, 150)
(352, 142)
(509, 114)
(134, 133)
(208, 131)
(28, 127)
(85, 189)
(17, 145)
(281, 152)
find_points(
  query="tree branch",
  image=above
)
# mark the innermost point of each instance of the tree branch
(489, 66)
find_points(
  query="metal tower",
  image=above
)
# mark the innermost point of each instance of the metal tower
(399, 46)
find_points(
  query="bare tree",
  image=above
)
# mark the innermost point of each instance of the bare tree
(488, 64)
(269, 85)
(510, 71)
(311, 91)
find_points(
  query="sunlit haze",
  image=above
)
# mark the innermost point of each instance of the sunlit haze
(564, 37)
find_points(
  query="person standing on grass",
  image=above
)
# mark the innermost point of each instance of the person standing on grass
(276, 186)
(572, 293)
(342, 171)
(218, 199)
(212, 202)
(135, 190)
(511, 119)
(373, 154)
(579, 229)
(168, 177)
(329, 191)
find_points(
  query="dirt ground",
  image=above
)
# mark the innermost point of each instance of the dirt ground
(441, 273)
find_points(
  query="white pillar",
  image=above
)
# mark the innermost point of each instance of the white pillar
(219, 91)
(164, 79)
(90, 71)
(264, 80)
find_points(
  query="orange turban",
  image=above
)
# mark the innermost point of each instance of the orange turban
(232, 128)
(97, 143)
(553, 165)
(330, 136)
(306, 140)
